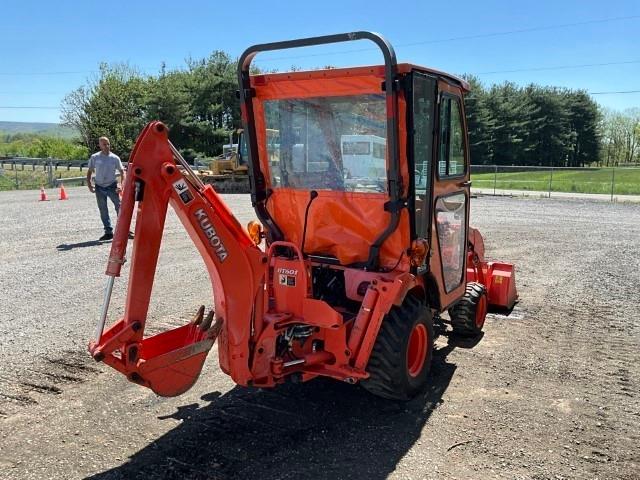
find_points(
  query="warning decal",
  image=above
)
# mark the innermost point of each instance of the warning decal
(182, 189)
(287, 280)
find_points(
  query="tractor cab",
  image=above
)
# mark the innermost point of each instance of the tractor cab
(364, 167)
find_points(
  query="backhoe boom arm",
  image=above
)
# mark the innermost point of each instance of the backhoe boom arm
(169, 363)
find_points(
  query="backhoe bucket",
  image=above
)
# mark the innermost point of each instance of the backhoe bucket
(169, 363)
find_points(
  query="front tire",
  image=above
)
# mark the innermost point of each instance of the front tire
(401, 357)
(468, 315)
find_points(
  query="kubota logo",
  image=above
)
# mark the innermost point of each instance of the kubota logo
(212, 235)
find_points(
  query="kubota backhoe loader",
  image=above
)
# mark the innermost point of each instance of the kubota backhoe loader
(355, 267)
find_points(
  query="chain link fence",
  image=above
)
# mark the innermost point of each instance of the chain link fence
(32, 173)
(612, 182)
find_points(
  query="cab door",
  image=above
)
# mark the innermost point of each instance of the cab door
(423, 121)
(451, 190)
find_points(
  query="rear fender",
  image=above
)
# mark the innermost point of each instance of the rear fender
(388, 293)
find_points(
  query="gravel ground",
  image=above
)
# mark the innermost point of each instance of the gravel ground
(549, 392)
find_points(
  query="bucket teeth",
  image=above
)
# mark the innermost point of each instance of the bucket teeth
(215, 330)
(197, 318)
(207, 321)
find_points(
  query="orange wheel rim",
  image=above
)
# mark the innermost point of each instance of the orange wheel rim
(417, 351)
(481, 311)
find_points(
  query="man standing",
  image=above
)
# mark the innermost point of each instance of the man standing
(105, 163)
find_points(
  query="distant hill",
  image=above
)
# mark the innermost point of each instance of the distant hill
(52, 129)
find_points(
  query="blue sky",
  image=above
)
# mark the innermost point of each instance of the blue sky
(42, 39)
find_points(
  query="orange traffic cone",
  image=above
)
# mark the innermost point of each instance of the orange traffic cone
(43, 195)
(63, 193)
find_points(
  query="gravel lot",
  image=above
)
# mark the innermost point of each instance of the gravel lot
(549, 392)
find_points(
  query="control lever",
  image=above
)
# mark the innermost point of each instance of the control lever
(312, 196)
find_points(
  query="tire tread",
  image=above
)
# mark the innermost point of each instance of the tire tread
(463, 313)
(386, 363)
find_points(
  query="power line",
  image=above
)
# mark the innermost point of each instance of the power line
(29, 107)
(517, 70)
(465, 37)
(411, 44)
(69, 72)
(33, 93)
(46, 73)
(526, 30)
(617, 92)
(559, 67)
(621, 92)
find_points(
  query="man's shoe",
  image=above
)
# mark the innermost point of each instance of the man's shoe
(106, 236)
(131, 235)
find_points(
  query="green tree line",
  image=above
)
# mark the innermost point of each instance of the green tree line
(620, 137)
(508, 124)
(40, 146)
(532, 125)
(198, 104)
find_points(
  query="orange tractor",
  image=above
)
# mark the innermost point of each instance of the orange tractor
(344, 275)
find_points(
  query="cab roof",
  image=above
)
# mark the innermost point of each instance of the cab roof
(402, 68)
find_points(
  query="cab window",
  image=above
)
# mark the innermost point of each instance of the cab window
(328, 143)
(451, 159)
(424, 96)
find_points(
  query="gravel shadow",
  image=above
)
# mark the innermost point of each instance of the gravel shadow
(63, 247)
(322, 429)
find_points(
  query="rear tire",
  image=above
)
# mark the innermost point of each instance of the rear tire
(401, 357)
(468, 315)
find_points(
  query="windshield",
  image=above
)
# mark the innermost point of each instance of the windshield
(327, 143)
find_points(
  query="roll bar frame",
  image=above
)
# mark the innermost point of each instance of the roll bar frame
(257, 181)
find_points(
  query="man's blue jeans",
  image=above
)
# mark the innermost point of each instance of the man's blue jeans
(102, 193)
